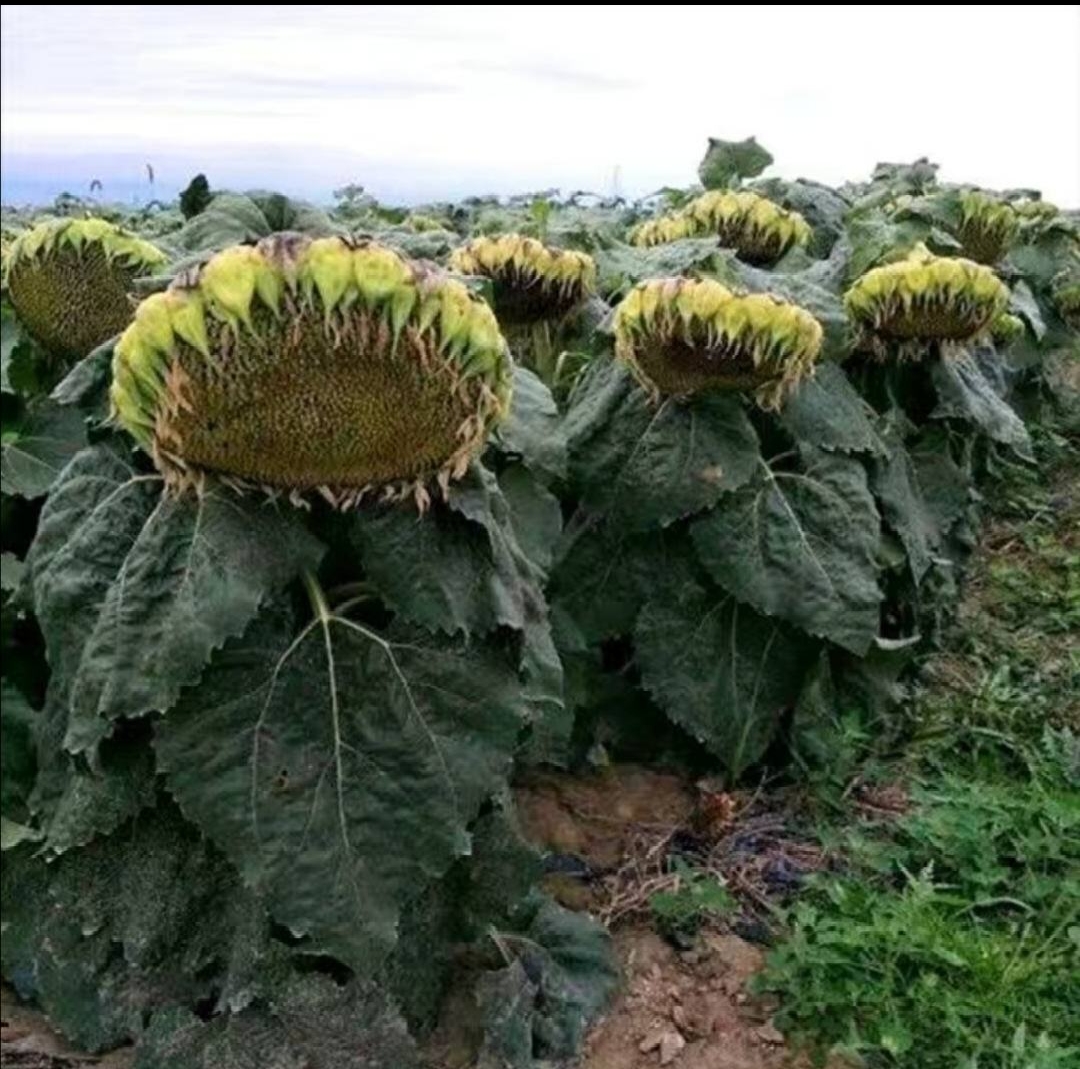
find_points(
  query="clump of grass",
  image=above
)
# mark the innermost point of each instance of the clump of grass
(949, 938)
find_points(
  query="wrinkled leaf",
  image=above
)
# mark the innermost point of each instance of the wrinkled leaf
(535, 513)
(458, 568)
(621, 267)
(134, 590)
(965, 393)
(725, 162)
(561, 975)
(649, 465)
(86, 385)
(533, 428)
(97, 800)
(313, 756)
(310, 1023)
(17, 762)
(827, 412)
(12, 571)
(107, 932)
(895, 482)
(946, 486)
(36, 449)
(720, 670)
(1022, 303)
(801, 546)
(603, 574)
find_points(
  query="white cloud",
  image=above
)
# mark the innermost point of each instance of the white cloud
(504, 98)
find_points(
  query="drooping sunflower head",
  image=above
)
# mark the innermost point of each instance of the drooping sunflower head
(680, 336)
(313, 365)
(759, 230)
(70, 282)
(987, 226)
(924, 298)
(661, 230)
(530, 281)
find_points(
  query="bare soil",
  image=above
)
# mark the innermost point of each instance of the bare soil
(689, 1008)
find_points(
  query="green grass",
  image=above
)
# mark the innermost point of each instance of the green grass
(949, 937)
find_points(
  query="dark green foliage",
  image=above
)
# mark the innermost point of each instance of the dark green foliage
(256, 759)
(195, 197)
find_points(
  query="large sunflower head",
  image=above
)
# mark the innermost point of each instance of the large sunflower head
(759, 230)
(925, 298)
(71, 281)
(680, 336)
(530, 281)
(304, 365)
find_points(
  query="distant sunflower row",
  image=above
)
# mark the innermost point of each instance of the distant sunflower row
(340, 366)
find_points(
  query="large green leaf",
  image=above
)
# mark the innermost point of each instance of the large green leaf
(535, 513)
(1022, 303)
(621, 267)
(827, 412)
(12, 571)
(964, 392)
(560, 975)
(895, 482)
(311, 1022)
(129, 922)
(801, 545)
(726, 162)
(96, 800)
(134, 589)
(36, 449)
(340, 767)
(649, 465)
(533, 430)
(236, 218)
(461, 569)
(720, 670)
(603, 574)
(479, 891)
(946, 485)
(457, 569)
(86, 385)
(23, 367)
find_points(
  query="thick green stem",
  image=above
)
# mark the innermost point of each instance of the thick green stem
(316, 596)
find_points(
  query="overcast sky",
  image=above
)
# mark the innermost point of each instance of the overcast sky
(417, 102)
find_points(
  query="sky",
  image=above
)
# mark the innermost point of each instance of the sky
(437, 102)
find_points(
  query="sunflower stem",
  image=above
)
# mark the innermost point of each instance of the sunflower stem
(316, 596)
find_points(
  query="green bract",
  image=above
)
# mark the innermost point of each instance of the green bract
(531, 282)
(924, 298)
(757, 229)
(680, 336)
(1006, 328)
(321, 365)
(70, 281)
(987, 226)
